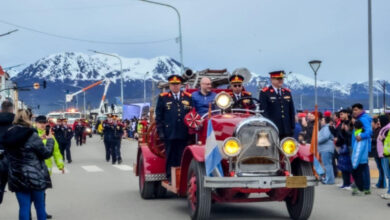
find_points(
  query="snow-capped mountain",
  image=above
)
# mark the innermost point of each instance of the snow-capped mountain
(80, 67)
(69, 71)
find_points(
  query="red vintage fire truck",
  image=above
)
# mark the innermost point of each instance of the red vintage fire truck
(257, 166)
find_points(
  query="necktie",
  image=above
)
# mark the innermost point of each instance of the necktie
(279, 92)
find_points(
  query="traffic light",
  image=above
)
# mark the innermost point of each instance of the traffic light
(44, 84)
(36, 85)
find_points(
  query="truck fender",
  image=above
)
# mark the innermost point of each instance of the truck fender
(190, 152)
(303, 154)
(152, 163)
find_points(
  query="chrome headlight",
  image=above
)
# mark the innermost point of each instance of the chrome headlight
(231, 147)
(223, 100)
(289, 146)
(88, 130)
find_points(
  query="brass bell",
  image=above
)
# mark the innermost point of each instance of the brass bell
(262, 140)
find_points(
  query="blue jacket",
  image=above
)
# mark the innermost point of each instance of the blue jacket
(360, 151)
(201, 102)
(325, 140)
(366, 135)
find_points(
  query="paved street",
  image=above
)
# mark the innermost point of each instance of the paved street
(94, 189)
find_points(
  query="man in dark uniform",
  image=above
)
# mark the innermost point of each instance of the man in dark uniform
(171, 108)
(63, 133)
(107, 135)
(238, 93)
(278, 106)
(115, 142)
(78, 132)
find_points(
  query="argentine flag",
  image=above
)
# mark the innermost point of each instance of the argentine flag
(212, 155)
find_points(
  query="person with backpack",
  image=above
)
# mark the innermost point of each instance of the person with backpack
(361, 139)
(383, 148)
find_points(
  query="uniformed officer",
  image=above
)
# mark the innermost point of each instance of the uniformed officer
(171, 108)
(115, 143)
(107, 135)
(277, 105)
(238, 93)
(63, 133)
(78, 132)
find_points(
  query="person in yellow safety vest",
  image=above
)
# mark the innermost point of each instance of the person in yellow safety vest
(42, 128)
(41, 123)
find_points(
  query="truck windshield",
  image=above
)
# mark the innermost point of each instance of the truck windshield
(72, 115)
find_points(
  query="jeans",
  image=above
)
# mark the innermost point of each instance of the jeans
(25, 199)
(358, 176)
(327, 158)
(366, 178)
(386, 171)
(382, 178)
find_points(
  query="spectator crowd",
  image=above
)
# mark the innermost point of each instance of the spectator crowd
(347, 139)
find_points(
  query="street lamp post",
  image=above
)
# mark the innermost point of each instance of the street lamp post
(315, 65)
(120, 62)
(145, 87)
(180, 33)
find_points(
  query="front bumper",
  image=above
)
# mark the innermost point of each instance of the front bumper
(267, 182)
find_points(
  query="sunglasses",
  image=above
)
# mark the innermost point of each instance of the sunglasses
(237, 86)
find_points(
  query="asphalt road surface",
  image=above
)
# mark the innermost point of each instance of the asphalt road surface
(94, 189)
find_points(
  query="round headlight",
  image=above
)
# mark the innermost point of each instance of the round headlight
(223, 100)
(289, 146)
(231, 147)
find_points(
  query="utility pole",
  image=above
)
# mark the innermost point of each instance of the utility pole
(370, 66)
(333, 102)
(382, 83)
(301, 103)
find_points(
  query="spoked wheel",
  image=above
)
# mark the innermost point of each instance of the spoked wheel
(146, 189)
(198, 197)
(300, 204)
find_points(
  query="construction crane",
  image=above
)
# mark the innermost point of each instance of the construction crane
(107, 82)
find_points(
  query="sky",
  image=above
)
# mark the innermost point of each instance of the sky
(261, 35)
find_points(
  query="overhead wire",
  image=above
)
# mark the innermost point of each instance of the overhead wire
(85, 40)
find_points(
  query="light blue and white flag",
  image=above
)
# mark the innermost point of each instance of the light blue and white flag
(213, 156)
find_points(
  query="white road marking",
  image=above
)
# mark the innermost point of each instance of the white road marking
(92, 168)
(55, 170)
(123, 167)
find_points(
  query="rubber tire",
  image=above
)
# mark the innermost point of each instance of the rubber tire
(146, 189)
(304, 205)
(159, 190)
(203, 195)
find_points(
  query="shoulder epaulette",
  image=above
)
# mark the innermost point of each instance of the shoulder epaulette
(265, 89)
(287, 89)
(187, 94)
(164, 94)
(246, 93)
(230, 93)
